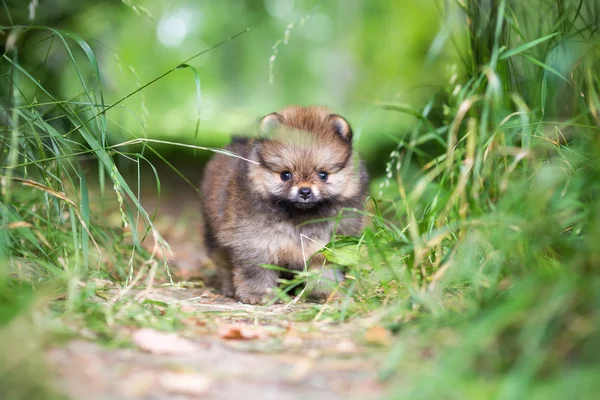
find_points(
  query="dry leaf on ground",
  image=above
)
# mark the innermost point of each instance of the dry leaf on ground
(162, 342)
(241, 332)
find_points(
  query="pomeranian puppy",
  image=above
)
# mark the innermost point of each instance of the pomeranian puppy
(258, 208)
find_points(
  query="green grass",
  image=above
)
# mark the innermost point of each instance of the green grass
(486, 242)
(482, 250)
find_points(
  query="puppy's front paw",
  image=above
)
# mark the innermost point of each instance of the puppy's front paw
(326, 283)
(253, 297)
(254, 285)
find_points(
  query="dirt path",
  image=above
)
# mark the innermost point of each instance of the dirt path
(227, 350)
(237, 351)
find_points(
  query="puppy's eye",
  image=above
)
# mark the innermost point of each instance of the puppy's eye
(323, 175)
(286, 176)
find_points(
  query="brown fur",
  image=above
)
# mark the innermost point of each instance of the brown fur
(252, 216)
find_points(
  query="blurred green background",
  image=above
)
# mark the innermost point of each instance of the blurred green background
(347, 54)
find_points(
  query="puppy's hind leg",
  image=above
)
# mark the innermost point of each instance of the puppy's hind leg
(224, 271)
(220, 259)
(225, 274)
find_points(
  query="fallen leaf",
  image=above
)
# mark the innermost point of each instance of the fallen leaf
(378, 335)
(240, 332)
(185, 383)
(164, 343)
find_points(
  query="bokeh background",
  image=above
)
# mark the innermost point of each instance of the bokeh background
(350, 55)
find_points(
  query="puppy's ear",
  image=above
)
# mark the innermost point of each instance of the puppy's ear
(341, 127)
(270, 122)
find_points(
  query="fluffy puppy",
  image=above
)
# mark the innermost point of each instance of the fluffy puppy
(257, 208)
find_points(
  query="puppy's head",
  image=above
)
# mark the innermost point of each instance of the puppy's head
(307, 159)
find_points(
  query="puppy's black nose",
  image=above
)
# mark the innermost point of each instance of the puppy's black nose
(305, 192)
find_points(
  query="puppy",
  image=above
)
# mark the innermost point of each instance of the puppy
(257, 208)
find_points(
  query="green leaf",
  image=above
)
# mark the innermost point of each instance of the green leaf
(347, 256)
(547, 68)
(526, 46)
